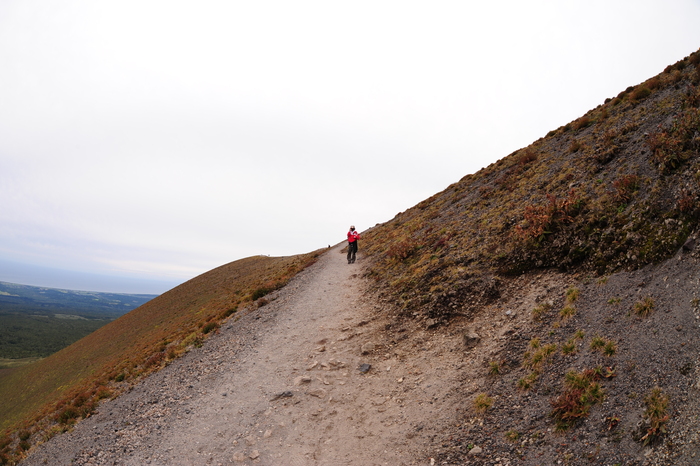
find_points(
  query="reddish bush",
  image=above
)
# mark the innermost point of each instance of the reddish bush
(527, 156)
(686, 204)
(672, 147)
(540, 219)
(155, 359)
(625, 186)
(402, 251)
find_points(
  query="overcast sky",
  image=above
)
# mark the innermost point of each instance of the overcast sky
(156, 140)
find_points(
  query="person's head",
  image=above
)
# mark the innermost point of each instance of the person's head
(352, 227)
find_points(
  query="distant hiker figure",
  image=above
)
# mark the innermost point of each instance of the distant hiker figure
(353, 236)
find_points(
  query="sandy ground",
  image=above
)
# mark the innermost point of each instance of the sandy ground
(283, 384)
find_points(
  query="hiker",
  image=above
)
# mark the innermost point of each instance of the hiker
(353, 236)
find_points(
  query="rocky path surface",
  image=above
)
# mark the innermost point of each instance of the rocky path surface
(303, 380)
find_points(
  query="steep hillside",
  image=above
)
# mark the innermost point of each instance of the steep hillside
(570, 268)
(614, 190)
(47, 397)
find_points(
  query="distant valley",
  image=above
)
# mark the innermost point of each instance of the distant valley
(35, 322)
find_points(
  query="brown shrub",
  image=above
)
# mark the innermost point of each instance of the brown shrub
(527, 156)
(686, 204)
(583, 122)
(625, 186)
(640, 92)
(674, 146)
(540, 219)
(155, 359)
(402, 250)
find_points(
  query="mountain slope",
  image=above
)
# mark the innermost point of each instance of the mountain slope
(47, 397)
(571, 269)
(614, 190)
(563, 280)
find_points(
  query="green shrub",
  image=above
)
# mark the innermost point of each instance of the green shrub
(260, 292)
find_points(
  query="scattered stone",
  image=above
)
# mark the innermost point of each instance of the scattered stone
(430, 323)
(312, 366)
(250, 440)
(318, 393)
(471, 339)
(335, 364)
(301, 380)
(364, 368)
(367, 348)
(255, 454)
(475, 451)
(321, 348)
(689, 244)
(286, 394)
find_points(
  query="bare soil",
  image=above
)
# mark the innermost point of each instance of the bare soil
(281, 385)
(287, 383)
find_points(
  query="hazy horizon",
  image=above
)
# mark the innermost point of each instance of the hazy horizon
(34, 275)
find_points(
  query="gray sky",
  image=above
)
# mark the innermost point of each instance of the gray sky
(157, 140)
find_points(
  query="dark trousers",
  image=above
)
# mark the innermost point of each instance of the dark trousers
(352, 250)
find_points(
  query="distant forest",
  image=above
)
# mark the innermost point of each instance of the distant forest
(36, 322)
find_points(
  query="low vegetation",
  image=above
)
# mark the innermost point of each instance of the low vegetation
(644, 307)
(655, 415)
(571, 201)
(581, 391)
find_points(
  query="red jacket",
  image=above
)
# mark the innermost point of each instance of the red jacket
(353, 236)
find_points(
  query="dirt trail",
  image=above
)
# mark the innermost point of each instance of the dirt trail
(282, 385)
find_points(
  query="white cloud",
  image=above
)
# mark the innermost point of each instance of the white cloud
(166, 138)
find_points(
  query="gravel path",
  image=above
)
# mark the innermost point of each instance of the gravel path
(280, 385)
